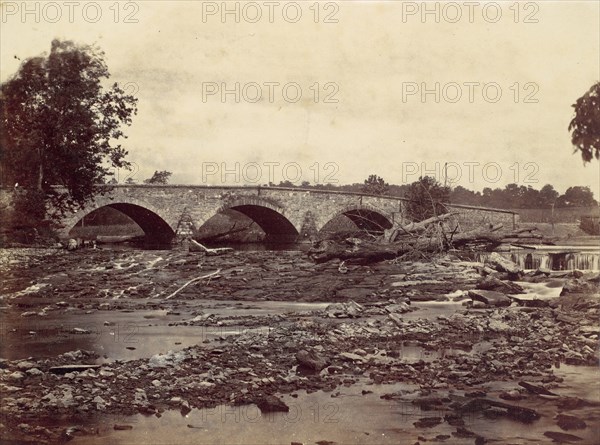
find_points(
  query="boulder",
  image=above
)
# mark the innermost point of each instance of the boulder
(530, 302)
(171, 358)
(579, 286)
(396, 319)
(562, 437)
(566, 422)
(311, 360)
(490, 297)
(349, 309)
(351, 357)
(427, 422)
(493, 283)
(536, 389)
(501, 264)
(268, 404)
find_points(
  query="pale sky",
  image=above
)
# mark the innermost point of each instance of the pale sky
(372, 60)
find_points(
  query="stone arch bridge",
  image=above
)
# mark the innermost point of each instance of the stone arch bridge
(165, 212)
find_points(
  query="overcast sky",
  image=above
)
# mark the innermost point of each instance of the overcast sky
(369, 62)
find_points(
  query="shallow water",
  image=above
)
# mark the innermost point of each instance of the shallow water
(130, 334)
(349, 418)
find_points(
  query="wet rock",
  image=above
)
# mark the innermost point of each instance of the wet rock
(427, 422)
(311, 360)
(574, 358)
(454, 419)
(66, 369)
(501, 264)
(536, 389)
(349, 309)
(351, 357)
(399, 308)
(578, 302)
(497, 325)
(397, 319)
(462, 432)
(511, 395)
(493, 283)
(269, 404)
(100, 403)
(185, 408)
(570, 403)
(25, 365)
(490, 297)
(567, 422)
(562, 437)
(579, 286)
(530, 302)
(17, 375)
(525, 415)
(28, 314)
(171, 358)
(73, 355)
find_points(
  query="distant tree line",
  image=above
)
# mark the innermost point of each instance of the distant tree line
(512, 196)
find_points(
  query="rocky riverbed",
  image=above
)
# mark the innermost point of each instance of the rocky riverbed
(466, 345)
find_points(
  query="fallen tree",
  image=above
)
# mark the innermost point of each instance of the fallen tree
(428, 236)
(392, 234)
(195, 246)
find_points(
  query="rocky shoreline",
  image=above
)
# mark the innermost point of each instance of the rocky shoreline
(357, 340)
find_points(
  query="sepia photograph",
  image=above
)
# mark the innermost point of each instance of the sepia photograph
(312, 222)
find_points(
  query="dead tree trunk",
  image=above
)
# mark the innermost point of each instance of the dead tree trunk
(364, 252)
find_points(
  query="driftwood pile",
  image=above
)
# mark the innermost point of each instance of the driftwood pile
(420, 239)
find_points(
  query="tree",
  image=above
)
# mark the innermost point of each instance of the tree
(59, 125)
(585, 126)
(161, 177)
(375, 185)
(577, 197)
(461, 195)
(547, 196)
(425, 198)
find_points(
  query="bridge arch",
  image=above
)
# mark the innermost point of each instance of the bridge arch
(145, 215)
(268, 214)
(364, 217)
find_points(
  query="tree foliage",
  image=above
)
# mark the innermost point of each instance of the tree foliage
(577, 197)
(425, 198)
(514, 196)
(585, 126)
(375, 185)
(159, 177)
(59, 124)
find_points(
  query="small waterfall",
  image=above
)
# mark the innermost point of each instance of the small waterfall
(545, 259)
